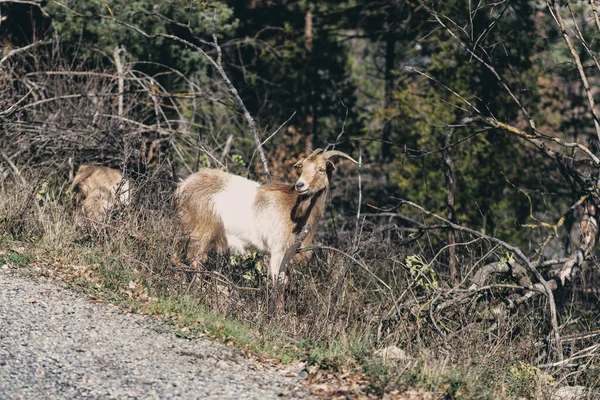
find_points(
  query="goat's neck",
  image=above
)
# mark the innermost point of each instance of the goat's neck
(308, 210)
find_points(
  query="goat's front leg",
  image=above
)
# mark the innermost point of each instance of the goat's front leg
(275, 264)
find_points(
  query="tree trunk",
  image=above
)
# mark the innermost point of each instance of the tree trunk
(309, 76)
(390, 59)
(450, 188)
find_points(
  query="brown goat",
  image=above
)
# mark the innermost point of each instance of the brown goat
(222, 211)
(95, 190)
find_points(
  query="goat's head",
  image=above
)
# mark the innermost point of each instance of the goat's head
(315, 171)
(95, 190)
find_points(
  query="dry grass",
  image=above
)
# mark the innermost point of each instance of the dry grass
(351, 300)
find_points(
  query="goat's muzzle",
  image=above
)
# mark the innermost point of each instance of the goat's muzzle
(301, 188)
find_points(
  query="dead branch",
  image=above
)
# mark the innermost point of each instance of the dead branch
(120, 76)
(588, 233)
(14, 168)
(21, 49)
(535, 139)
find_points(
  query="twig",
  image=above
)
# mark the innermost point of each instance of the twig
(216, 63)
(561, 23)
(15, 106)
(483, 62)
(447, 167)
(595, 12)
(337, 139)
(359, 200)
(277, 130)
(445, 87)
(532, 138)
(14, 168)
(226, 149)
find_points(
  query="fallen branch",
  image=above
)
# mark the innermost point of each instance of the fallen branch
(519, 254)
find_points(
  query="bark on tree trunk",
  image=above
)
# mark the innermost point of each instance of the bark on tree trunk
(450, 188)
(390, 59)
(309, 76)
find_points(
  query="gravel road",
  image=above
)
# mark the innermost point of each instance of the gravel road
(56, 344)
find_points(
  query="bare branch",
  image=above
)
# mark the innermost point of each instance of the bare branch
(483, 62)
(552, 4)
(21, 49)
(120, 76)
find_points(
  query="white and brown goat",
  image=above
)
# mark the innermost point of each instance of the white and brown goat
(96, 189)
(223, 212)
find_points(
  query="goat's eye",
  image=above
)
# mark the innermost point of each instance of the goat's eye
(321, 170)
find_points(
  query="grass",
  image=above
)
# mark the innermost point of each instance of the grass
(20, 260)
(337, 314)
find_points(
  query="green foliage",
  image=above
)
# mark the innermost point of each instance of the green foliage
(527, 380)
(280, 75)
(250, 263)
(487, 164)
(422, 273)
(94, 24)
(16, 259)
(462, 383)
(115, 274)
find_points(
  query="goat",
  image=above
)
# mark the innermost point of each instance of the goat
(221, 211)
(95, 190)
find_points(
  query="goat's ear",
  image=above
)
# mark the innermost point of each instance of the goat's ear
(330, 166)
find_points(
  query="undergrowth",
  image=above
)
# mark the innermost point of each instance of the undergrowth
(342, 308)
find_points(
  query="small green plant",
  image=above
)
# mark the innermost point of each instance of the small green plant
(15, 259)
(43, 192)
(204, 161)
(250, 262)
(238, 161)
(527, 380)
(115, 274)
(507, 257)
(422, 273)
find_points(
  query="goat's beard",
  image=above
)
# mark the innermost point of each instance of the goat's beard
(304, 205)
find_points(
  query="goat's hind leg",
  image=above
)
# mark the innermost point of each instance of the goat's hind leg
(197, 251)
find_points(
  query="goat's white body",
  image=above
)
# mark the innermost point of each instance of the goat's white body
(235, 206)
(246, 225)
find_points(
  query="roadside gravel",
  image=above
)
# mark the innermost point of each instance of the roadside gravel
(56, 344)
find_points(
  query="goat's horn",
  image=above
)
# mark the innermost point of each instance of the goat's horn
(331, 153)
(316, 151)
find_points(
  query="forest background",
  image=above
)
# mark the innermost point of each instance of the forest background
(465, 240)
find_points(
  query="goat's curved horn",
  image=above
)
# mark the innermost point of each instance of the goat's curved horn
(316, 151)
(332, 153)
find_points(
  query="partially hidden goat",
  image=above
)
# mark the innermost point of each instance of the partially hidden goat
(221, 211)
(96, 189)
